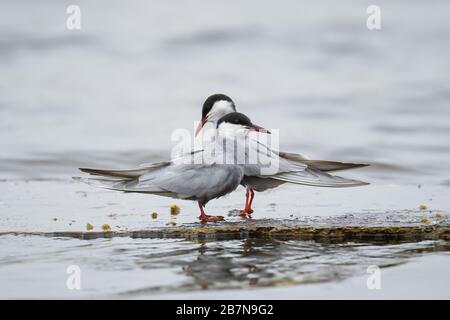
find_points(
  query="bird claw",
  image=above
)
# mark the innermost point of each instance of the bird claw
(247, 217)
(241, 213)
(246, 214)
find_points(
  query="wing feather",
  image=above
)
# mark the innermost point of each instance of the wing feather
(317, 178)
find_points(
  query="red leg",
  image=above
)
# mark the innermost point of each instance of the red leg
(252, 196)
(249, 195)
(206, 218)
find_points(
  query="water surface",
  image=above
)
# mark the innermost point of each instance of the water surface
(112, 93)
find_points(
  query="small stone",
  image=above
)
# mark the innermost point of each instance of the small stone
(422, 207)
(89, 227)
(154, 215)
(439, 215)
(174, 209)
(424, 220)
(106, 227)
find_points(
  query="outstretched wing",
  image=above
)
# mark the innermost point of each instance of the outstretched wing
(317, 178)
(125, 173)
(323, 165)
(261, 160)
(297, 169)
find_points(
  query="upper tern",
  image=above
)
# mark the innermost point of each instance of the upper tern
(200, 175)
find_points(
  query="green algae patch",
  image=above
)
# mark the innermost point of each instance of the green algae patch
(336, 234)
(368, 227)
(175, 209)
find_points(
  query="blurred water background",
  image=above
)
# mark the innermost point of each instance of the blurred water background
(111, 94)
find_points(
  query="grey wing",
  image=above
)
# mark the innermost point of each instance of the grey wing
(309, 177)
(260, 184)
(317, 178)
(117, 179)
(191, 181)
(292, 169)
(291, 156)
(125, 173)
(183, 181)
(323, 165)
(260, 160)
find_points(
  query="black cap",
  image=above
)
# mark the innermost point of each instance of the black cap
(209, 102)
(235, 118)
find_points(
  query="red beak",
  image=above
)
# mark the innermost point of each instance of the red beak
(254, 127)
(200, 125)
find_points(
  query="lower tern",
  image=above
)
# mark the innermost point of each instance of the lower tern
(218, 105)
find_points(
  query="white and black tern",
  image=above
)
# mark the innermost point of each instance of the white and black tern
(314, 173)
(201, 175)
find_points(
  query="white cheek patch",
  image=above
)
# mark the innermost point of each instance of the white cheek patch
(219, 109)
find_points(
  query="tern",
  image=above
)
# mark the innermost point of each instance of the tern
(218, 105)
(200, 175)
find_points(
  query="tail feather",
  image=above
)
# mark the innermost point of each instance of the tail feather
(127, 174)
(124, 173)
(118, 184)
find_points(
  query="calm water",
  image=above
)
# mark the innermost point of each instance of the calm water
(112, 93)
(150, 268)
